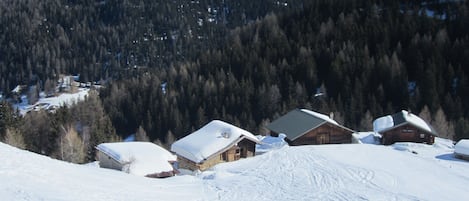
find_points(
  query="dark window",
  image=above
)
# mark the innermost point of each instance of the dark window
(238, 153)
(224, 156)
(407, 130)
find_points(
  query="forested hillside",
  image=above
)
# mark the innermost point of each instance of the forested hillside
(171, 66)
(102, 39)
(357, 59)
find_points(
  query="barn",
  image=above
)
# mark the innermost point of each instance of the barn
(404, 127)
(214, 143)
(461, 149)
(137, 158)
(305, 127)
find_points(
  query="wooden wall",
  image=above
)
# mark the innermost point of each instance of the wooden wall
(324, 134)
(462, 156)
(107, 162)
(245, 148)
(406, 133)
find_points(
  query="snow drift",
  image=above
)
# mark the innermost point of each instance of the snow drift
(406, 171)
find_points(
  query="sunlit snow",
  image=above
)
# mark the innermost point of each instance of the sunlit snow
(404, 171)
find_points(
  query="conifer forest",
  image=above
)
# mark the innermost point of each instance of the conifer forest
(166, 68)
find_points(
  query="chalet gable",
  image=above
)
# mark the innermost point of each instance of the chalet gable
(298, 122)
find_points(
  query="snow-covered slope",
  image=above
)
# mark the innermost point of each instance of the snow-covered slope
(344, 172)
(52, 102)
(404, 171)
(28, 176)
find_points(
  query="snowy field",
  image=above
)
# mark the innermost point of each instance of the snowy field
(404, 171)
(52, 102)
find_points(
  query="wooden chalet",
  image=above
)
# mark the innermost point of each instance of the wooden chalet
(216, 142)
(404, 127)
(305, 127)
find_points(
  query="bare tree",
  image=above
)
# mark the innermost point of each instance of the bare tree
(15, 138)
(338, 117)
(72, 148)
(169, 140)
(366, 123)
(141, 135)
(441, 125)
(262, 127)
(425, 114)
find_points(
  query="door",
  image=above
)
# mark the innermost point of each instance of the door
(322, 138)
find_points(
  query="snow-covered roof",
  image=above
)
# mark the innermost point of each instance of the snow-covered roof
(383, 123)
(388, 122)
(462, 147)
(17, 89)
(319, 115)
(298, 122)
(270, 143)
(144, 157)
(210, 139)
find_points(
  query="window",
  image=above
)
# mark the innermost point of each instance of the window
(407, 130)
(422, 135)
(237, 154)
(322, 138)
(224, 156)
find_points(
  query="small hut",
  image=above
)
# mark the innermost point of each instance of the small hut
(404, 127)
(138, 158)
(305, 127)
(461, 149)
(216, 142)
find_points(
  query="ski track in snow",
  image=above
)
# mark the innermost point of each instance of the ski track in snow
(306, 173)
(327, 172)
(324, 181)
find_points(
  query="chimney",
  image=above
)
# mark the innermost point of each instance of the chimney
(331, 115)
(226, 134)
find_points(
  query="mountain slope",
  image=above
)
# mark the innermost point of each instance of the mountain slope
(345, 172)
(28, 176)
(404, 171)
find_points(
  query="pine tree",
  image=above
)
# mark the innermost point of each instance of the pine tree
(461, 129)
(39, 133)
